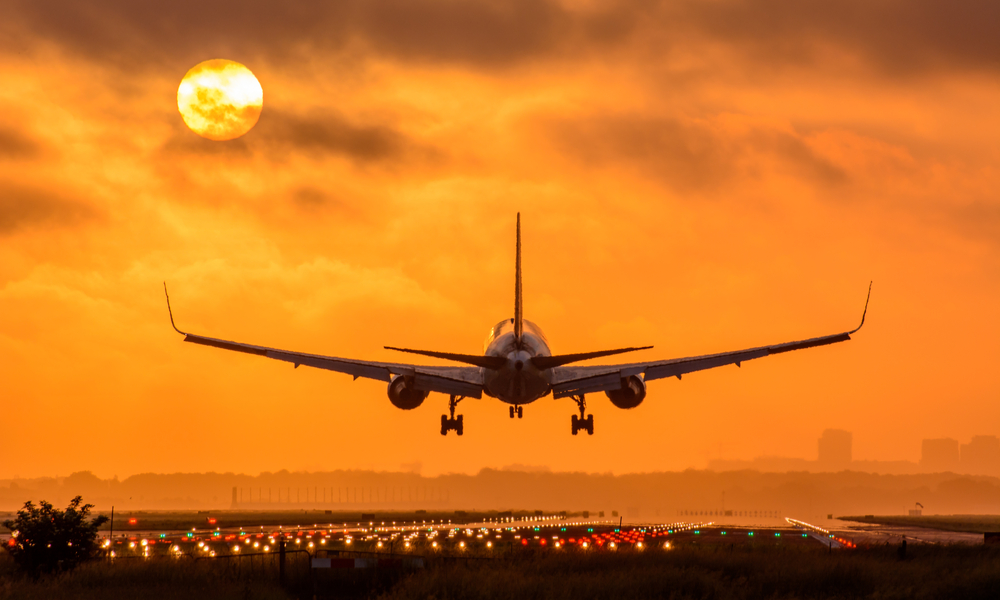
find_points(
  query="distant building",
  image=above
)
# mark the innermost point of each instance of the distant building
(835, 449)
(981, 456)
(939, 455)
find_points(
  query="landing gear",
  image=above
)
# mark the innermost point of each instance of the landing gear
(516, 409)
(584, 421)
(453, 423)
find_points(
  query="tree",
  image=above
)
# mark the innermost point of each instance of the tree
(46, 538)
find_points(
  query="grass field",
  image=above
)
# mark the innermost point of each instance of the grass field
(696, 571)
(962, 523)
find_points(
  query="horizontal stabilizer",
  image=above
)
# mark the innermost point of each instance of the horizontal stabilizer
(547, 362)
(490, 362)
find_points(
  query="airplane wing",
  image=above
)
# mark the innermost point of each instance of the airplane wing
(461, 381)
(570, 381)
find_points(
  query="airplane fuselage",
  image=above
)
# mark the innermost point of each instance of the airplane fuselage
(518, 381)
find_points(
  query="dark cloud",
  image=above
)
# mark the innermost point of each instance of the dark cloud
(488, 32)
(688, 156)
(14, 145)
(329, 133)
(898, 36)
(979, 219)
(318, 134)
(184, 141)
(26, 208)
(312, 200)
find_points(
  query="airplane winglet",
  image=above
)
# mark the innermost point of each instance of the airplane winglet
(170, 312)
(865, 311)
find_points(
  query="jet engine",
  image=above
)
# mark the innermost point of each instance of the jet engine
(631, 394)
(402, 395)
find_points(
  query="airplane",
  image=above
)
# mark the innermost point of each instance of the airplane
(517, 367)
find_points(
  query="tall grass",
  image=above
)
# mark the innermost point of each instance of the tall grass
(927, 572)
(722, 572)
(146, 579)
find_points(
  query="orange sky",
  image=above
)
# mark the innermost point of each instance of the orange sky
(696, 176)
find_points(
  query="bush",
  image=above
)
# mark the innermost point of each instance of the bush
(46, 539)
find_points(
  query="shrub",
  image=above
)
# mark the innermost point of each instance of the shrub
(45, 539)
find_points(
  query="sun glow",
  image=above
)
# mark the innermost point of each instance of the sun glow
(220, 99)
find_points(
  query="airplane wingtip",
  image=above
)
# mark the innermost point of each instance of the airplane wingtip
(170, 311)
(865, 312)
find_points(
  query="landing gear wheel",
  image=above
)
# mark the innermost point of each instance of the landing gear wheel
(520, 412)
(459, 426)
(511, 412)
(584, 421)
(452, 423)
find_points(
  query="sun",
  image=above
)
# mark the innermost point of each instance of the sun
(220, 99)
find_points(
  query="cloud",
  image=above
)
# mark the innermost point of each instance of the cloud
(316, 134)
(897, 36)
(24, 208)
(330, 133)
(14, 145)
(691, 154)
(490, 32)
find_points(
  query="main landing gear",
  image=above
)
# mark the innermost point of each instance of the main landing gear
(585, 421)
(519, 410)
(452, 424)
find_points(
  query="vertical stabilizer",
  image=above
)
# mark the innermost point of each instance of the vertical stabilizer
(518, 307)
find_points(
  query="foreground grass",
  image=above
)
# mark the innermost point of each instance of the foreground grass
(927, 572)
(152, 580)
(960, 523)
(722, 572)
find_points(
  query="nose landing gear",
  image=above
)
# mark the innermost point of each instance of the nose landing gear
(453, 423)
(516, 409)
(585, 421)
